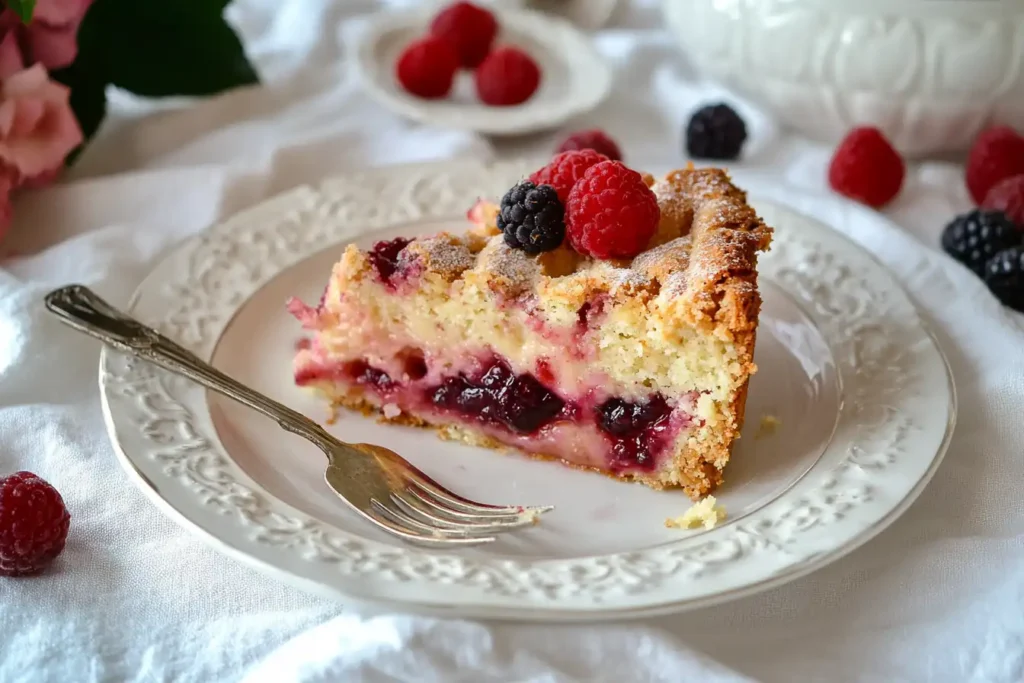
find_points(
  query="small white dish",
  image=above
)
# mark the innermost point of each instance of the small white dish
(575, 78)
(863, 395)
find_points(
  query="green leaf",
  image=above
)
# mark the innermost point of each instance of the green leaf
(153, 49)
(180, 48)
(23, 8)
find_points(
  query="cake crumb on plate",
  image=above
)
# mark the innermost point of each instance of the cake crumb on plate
(706, 513)
(769, 424)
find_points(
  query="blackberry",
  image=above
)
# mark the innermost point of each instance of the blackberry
(1004, 275)
(532, 218)
(976, 236)
(519, 402)
(715, 131)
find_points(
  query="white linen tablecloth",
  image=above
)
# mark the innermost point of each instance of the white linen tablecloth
(937, 597)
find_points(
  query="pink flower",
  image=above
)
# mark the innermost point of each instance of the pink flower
(37, 131)
(7, 182)
(51, 38)
(10, 53)
(37, 127)
(60, 12)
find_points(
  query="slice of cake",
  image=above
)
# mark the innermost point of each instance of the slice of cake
(594, 316)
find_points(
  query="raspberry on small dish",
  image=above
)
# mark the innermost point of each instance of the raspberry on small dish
(426, 68)
(470, 29)
(867, 168)
(508, 76)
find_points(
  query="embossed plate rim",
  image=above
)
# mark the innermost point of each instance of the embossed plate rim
(545, 589)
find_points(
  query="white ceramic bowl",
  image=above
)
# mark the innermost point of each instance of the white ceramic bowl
(930, 73)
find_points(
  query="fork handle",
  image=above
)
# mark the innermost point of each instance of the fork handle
(81, 308)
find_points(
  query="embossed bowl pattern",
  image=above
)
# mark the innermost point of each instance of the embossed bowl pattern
(930, 73)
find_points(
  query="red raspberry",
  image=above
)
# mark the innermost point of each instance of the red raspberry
(33, 524)
(594, 139)
(1008, 197)
(565, 169)
(865, 167)
(469, 28)
(611, 213)
(426, 68)
(997, 154)
(506, 77)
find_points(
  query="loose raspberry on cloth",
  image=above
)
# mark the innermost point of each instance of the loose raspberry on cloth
(34, 524)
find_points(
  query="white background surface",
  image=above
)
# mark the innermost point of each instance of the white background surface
(937, 597)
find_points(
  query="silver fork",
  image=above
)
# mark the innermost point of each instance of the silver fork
(376, 482)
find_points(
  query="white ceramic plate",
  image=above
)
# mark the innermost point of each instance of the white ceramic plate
(575, 78)
(863, 394)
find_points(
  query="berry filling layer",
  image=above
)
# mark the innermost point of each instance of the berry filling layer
(483, 393)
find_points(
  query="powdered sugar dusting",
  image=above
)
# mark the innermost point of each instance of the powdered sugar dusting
(445, 256)
(724, 250)
(513, 267)
(707, 183)
(675, 284)
(678, 248)
(667, 193)
(628, 278)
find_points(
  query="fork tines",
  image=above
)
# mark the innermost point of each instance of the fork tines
(426, 513)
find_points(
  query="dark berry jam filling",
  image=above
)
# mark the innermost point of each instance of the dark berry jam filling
(384, 258)
(545, 375)
(635, 429)
(519, 402)
(414, 365)
(589, 313)
(497, 397)
(362, 372)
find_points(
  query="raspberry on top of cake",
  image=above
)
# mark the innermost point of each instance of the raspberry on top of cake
(592, 316)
